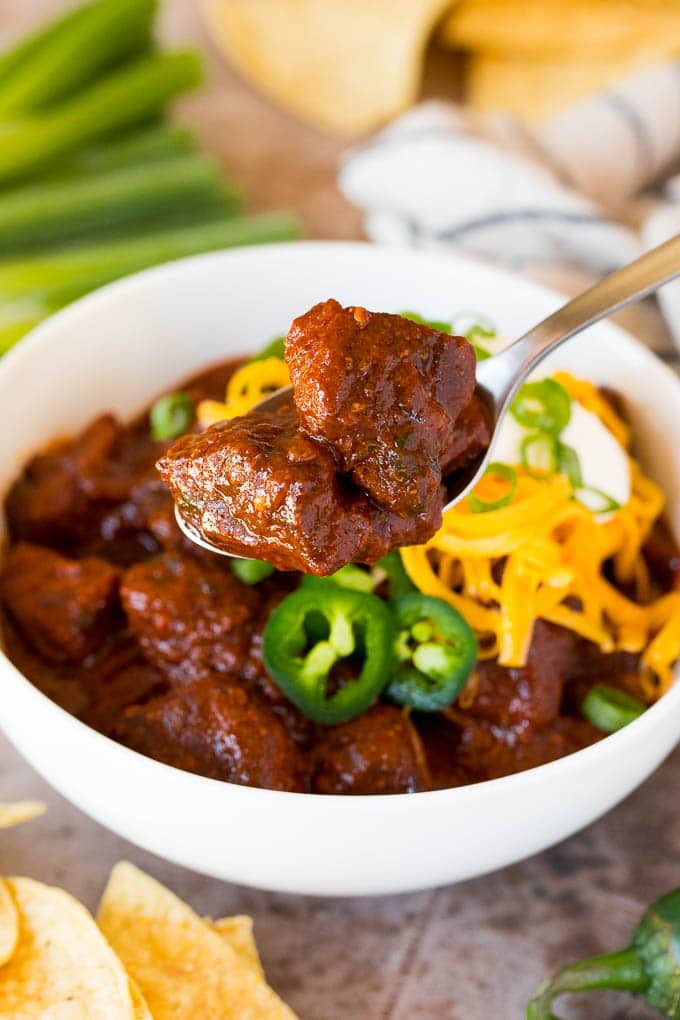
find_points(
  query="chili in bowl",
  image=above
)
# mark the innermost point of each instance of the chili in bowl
(438, 681)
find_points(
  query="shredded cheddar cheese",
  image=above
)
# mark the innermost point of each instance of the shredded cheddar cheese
(542, 556)
(250, 384)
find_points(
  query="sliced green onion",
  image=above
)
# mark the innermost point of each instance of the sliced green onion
(509, 475)
(610, 709)
(596, 500)
(539, 455)
(275, 349)
(171, 416)
(251, 572)
(570, 464)
(475, 327)
(543, 405)
(441, 327)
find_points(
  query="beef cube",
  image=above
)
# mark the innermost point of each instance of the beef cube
(508, 696)
(65, 608)
(189, 617)
(256, 486)
(378, 752)
(219, 730)
(384, 393)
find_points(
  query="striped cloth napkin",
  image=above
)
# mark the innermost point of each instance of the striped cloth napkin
(565, 202)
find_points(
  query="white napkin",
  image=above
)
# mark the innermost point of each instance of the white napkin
(566, 202)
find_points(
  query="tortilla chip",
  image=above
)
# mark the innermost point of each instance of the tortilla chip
(582, 30)
(62, 967)
(22, 811)
(139, 1006)
(345, 65)
(536, 89)
(184, 968)
(238, 932)
(9, 923)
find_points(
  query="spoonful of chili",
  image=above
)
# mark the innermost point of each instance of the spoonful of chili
(348, 462)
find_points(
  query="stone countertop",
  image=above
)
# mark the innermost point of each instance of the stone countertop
(469, 952)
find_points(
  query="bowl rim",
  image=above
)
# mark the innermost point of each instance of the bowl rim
(610, 744)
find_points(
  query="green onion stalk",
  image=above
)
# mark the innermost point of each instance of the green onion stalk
(649, 966)
(33, 288)
(125, 98)
(71, 52)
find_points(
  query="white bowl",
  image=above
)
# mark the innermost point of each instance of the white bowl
(120, 347)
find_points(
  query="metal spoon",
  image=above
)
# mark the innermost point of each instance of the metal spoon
(500, 377)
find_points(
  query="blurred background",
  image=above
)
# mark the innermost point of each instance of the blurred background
(545, 137)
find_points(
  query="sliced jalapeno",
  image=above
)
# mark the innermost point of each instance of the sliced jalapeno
(436, 650)
(318, 627)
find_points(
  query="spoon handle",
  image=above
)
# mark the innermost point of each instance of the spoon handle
(503, 374)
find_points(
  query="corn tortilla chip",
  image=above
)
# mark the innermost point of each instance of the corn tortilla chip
(580, 30)
(22, 811)
(345, 65)
(62, 967)
(139, 1006)
(535, 89)
(9, 923)
(184, 968)
(238, 932)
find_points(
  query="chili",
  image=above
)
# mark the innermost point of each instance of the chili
(650, 966)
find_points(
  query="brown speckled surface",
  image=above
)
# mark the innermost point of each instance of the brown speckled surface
(471, 952)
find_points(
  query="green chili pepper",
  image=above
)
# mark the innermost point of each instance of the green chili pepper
(610, 709)
(313, 630)
(570, 464)
(171, 416)
(436, 649)
(543, 405)
(251, 572)
(650, 966)
(539, 454)
(275, 349)
(509, 475)
(595, 499)
(356, 577)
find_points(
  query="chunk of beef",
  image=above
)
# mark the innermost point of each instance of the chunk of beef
(384, 393)
(63, 495)
(64, 607)
(134, 684)
(488, 751)
(470, 438)
(189, 617)
(218, 730)
(507, 696)
(256, 486)
(378, 752)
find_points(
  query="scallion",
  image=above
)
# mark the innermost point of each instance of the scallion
(508, 475)
(539, 455)
(125, 98)
(56, 211)
(72, 52)
(610, 709)
(543, 405)
(570, 464)
(596, 500)
(171, 416)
